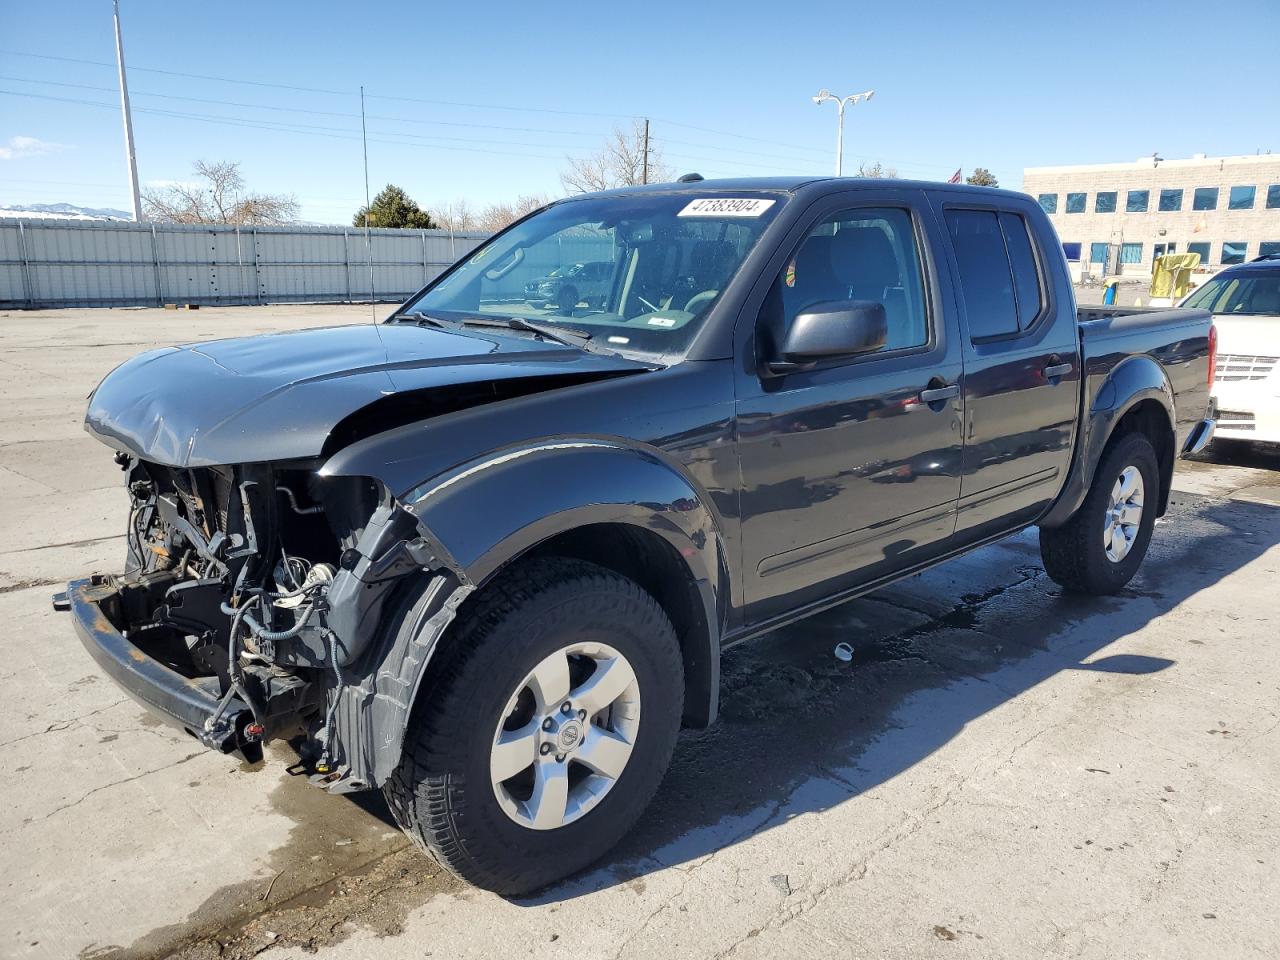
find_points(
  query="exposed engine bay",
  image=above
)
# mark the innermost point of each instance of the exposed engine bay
(269, 581)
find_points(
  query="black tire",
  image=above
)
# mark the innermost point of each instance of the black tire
(1075, 554)
(442, 795)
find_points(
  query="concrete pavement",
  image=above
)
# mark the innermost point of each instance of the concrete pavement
(1002, 771)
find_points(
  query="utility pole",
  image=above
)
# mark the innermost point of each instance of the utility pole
(128, 122)
(368, 238)
(644, 164)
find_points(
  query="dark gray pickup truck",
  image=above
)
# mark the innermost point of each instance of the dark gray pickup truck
(485, 555)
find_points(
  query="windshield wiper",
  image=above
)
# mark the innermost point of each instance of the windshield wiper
(569, 336)
(422, 318)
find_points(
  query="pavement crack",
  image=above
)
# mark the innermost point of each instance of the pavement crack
(653, 915)
(59, 725)
(106, 786)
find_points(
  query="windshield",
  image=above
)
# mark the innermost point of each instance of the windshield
(1252, 294)
(635, 272)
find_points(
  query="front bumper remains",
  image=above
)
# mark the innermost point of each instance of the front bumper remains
(193, 704)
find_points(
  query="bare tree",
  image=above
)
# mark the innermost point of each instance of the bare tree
(218, 196)
(457, 215)
(498, 215)
(620, 163)
(877, 171)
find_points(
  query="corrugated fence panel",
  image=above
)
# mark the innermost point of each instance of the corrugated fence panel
(13, 282)
(74, 263)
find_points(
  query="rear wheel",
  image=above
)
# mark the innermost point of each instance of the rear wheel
(548, 730)
(1101, 547)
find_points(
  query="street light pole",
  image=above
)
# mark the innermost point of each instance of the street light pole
(841, 102)
(128, 121)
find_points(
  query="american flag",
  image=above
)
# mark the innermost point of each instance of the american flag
(955, 177)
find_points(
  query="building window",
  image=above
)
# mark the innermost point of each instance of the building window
(1075, 202)
(1269, 248)
(1130, 253)
(1137, 201)
(1071, 251)
(1233, 251)
(1202, 249)
(1241, 198)
(1104, 202)
(1170, 201)
(1097, 253)
(1049, 202)
(1160, 249)
(1273, 197)
(1205, 198)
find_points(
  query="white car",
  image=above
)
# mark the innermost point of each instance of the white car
(1245, 302)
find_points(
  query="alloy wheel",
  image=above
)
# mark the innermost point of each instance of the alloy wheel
(1123, 518)
(565, 736)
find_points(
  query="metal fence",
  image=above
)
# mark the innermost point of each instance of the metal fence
(62, 263)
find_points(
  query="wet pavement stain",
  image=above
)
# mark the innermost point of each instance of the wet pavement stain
(344, 867)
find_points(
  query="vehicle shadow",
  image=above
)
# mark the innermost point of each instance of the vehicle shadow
(1242, 453)
(802, 732)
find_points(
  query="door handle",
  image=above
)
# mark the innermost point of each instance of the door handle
(934, 394)
(1056, 371)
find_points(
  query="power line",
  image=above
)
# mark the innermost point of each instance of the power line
(337, 133)
(392, 119)
(321, 113)
(342, 133)
(382, 136)
(403, 99)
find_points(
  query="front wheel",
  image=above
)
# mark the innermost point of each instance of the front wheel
(548, 729)
(1101, 547)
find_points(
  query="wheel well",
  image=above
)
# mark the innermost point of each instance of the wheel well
(1150, 418)
(653, 563)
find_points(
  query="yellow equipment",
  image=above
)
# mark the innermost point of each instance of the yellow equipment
(1171, 275)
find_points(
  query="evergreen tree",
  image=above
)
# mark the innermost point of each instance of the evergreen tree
(981, 177)
(393, 208)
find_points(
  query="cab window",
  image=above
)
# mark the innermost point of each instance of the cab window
(999, 278)
(864, 254)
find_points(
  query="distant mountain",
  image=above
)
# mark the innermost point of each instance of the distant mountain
(62, 211)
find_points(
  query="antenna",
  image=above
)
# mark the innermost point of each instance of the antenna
(368, 239)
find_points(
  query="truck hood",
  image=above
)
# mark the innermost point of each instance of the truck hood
(281, 396)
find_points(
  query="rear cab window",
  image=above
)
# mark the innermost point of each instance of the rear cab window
(1000, 279)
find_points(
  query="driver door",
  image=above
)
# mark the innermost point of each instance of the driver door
(851, 468)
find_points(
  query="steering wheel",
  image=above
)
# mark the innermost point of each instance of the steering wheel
(699, 299)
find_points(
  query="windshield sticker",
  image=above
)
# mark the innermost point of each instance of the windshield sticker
(726, 207)
(620, 340)
(791, 274)
(662, 321)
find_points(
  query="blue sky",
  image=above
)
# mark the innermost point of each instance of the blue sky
(516, 88)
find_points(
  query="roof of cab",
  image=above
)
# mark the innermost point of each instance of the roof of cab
(795, 184)
(1253, 266)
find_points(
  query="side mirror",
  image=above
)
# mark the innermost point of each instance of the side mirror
(832, 329)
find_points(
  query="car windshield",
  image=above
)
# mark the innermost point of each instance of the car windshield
(638, 273)
(1252, 294)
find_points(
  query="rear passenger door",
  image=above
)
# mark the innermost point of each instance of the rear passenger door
(1021, 367)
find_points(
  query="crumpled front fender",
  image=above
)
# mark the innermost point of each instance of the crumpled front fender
(484, 514)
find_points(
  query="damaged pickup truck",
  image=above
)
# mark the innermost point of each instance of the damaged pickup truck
(485, 555)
